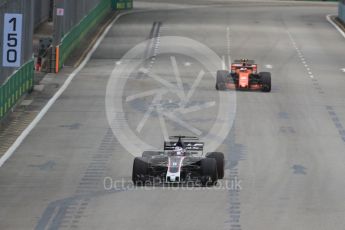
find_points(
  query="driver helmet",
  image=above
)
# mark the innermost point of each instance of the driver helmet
(179, 150)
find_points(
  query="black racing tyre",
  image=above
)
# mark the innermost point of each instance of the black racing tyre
(219, 157)
(150, 154)
(221, 79)
(140, 171)
(209, 171)
(265, 78)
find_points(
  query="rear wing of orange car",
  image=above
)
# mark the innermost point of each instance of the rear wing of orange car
(244, 63)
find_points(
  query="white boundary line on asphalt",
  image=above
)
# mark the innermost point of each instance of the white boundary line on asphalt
(328, 17)
(52, 100)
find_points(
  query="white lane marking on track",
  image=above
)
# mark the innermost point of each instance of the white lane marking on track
(228, 41)
(50, 103)
(301, 56)
(223, 63)
(268, 66)
(328, 17)
(229, 61)
(187, 64)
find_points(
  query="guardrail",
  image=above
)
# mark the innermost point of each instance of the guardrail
(21, 81)
(122, 4)
(341, 13)
(18, 84)
(72, 38)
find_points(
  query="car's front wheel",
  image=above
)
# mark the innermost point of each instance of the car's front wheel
(209, 171)
(265, 78)
(140, 171)
(221, 79)
(219, 157)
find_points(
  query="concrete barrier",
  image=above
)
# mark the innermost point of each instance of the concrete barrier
(341, 13)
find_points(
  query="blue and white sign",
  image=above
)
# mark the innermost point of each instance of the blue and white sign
(12, 40)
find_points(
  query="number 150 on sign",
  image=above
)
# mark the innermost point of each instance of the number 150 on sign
(12, 40)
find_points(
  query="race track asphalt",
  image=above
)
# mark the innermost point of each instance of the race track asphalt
(285, 150)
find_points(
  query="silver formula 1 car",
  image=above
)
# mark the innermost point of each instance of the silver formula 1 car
(181, 161)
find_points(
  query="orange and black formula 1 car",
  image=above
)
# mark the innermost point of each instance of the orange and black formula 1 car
(244, 76)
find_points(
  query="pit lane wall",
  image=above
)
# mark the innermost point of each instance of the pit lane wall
(71, 39)
(18, 84)
(341, 13)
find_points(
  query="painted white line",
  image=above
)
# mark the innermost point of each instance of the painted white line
(187, 64)
(300, 54)
(229, 62)
(268, 66)
(223, 63)
(50, 103)
(228, 41)
(343, 70)
(328, 17)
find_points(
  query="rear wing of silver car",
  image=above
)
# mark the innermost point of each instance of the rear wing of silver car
(188, 145)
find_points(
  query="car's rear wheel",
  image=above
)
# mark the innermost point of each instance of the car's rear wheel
(140, 171)
(265, 78)
(219, 157)
(221, 79)
(209, 171)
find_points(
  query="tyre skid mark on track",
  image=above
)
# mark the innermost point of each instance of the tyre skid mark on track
(336, 121)
(58, 214)
(331, 111)
(235, 155)
(152, 48)
(307, 67)
(66, 213)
